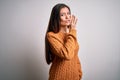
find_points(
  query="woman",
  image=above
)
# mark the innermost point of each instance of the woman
(62, 46)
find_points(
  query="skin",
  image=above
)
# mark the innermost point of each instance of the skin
(66, 19)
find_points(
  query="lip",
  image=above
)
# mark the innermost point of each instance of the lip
(68, 21)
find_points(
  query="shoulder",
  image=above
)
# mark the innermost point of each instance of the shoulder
(52, 34)
(49, 34)
(58, 36)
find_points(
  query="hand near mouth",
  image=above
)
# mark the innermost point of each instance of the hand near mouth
(73, 22)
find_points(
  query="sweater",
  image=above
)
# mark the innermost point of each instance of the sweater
(66, 64)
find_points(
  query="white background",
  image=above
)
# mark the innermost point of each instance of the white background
(23, 24)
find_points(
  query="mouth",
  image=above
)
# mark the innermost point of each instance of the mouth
(68, 21)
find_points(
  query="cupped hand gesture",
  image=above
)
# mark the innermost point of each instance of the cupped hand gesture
(73, 22)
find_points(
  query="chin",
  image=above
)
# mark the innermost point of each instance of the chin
(67, 24)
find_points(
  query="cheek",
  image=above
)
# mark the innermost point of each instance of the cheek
(62, 18)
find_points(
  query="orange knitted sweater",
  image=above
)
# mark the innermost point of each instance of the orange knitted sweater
(66, 64)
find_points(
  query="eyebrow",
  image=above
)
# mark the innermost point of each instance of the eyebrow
(64, 12)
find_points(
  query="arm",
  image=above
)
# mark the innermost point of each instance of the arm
(79, 68)
(65, 50)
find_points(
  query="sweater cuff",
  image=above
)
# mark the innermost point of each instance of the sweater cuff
(73, 32)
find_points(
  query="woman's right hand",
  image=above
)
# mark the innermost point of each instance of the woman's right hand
(73, 22)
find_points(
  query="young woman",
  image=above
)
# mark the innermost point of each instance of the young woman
(61, 45)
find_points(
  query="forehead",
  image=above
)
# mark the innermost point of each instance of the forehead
(64, 9)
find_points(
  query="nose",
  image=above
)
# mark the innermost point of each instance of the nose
(67, 16)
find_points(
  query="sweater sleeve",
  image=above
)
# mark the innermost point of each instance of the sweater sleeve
(65, 50)
(79, 68)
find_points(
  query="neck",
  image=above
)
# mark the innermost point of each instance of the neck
(64, 29)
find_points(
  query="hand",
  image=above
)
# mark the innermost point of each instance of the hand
(73, 22)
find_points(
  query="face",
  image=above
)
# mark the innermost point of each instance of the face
(65, 17)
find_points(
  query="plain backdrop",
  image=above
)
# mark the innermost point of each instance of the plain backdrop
(23, 25)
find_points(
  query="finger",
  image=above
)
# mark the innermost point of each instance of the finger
(70, 18)
(75, 20)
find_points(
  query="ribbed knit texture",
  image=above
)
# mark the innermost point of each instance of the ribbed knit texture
(66, 64)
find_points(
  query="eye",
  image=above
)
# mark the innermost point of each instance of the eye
(68, 13)
(62, 14)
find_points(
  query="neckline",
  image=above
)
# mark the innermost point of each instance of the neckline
(63, 32)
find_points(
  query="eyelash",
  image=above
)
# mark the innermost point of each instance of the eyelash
(67, 13)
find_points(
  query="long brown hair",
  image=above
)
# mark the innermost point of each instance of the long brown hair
(54, 26)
